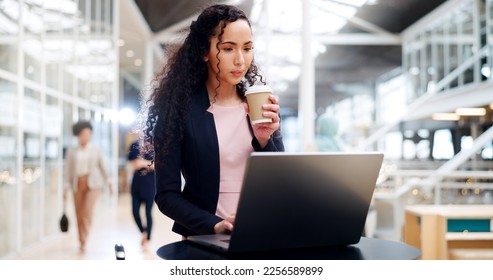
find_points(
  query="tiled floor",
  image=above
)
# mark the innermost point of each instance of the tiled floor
(113, 223)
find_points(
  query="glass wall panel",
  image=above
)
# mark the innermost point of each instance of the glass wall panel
(454, 63)
(31, 173)
(68, 140)
(32, 45)
(84, 114)
(103, 137)
(68, 83)
(8, 163)
(61, 68)
(84, 89)
(53, 170)
(427, 63)
(32, 67)
(465, 24)
(53, 75)
(440, 56)
(8, 34)
(8, 55)
(487, 67)
(100, 94)
(420, 70)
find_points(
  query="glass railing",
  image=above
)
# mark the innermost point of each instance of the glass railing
(457, 37)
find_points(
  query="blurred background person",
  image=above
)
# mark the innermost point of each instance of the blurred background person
(327, 139)
(86, 175)
(142, 189)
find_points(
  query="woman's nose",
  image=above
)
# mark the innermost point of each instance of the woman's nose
(239, 59)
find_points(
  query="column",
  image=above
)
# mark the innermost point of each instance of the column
(306, 107)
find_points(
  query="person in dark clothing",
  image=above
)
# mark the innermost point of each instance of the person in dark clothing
(142, 190)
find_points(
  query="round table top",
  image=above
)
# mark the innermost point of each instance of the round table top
(366, 249)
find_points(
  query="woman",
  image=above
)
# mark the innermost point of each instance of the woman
(86, 175)
(142, 189)
(198, 124)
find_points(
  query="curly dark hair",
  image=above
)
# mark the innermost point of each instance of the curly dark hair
(183, 76)
(79, 126)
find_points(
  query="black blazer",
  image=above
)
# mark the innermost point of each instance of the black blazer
(196, 156)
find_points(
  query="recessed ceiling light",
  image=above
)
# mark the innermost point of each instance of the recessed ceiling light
(445, 117)
(121, 43)
(471, 111)
(130, 53)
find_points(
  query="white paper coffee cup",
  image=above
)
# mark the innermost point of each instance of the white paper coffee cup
(258, 95)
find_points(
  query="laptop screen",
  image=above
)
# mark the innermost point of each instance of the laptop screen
(299, 200)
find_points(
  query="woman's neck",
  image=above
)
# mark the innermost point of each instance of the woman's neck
(223, 96)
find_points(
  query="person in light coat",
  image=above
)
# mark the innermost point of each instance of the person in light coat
(86, 175)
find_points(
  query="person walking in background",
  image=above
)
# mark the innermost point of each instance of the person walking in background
(198, 124)
(86, 175)
(327, 140)
(142, 190)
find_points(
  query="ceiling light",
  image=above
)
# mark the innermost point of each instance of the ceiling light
(445, 117)
(121, 42)
(471, 111)
(138, 62)
(130, 53)
(126, 116)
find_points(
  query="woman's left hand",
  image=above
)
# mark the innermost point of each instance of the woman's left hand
(226, 225)
(263, 131)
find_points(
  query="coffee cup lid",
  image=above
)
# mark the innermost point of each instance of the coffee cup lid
(258, 88)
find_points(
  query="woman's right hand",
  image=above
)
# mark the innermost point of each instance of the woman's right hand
(226, 225)
(263, 131)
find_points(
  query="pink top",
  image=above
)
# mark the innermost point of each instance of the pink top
(234, 148)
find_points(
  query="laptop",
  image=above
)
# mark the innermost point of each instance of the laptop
(300, 200)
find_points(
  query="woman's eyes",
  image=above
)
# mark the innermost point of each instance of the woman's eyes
(231, 49)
